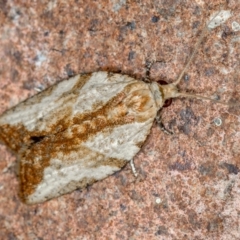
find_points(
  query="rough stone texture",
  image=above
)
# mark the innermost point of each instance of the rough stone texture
(188, 186)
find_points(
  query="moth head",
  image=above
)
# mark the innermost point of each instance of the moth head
(170, 91)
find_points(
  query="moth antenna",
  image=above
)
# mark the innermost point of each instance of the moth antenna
(206, 29)
(189, 95)
(174, 84)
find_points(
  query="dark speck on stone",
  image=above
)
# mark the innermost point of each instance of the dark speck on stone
(131, 55)
(69, 71)
(155, 19)
(209, 72)
(231, 168)
(195, 24)
(131, 25)
(186, 78)
(123, 207)
(187, 115)
(18, 56)
(161, 231)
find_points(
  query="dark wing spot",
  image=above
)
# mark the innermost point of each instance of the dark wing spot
(37, 139)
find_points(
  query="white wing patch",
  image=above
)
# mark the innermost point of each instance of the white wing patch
(57, 182)
(78, 132)
(121, 142)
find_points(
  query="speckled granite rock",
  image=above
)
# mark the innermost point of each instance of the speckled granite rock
(188, 186)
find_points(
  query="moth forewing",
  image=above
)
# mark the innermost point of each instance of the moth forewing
(73, 145)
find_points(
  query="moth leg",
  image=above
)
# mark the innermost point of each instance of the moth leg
(160, 124)
(133, 168)
(148, 66)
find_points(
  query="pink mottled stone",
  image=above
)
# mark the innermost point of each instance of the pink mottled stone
(193, 173)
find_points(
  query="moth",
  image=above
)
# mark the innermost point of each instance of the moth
(81, 130)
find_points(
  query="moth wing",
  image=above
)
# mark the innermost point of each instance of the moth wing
(77, 132)
(53, 109)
